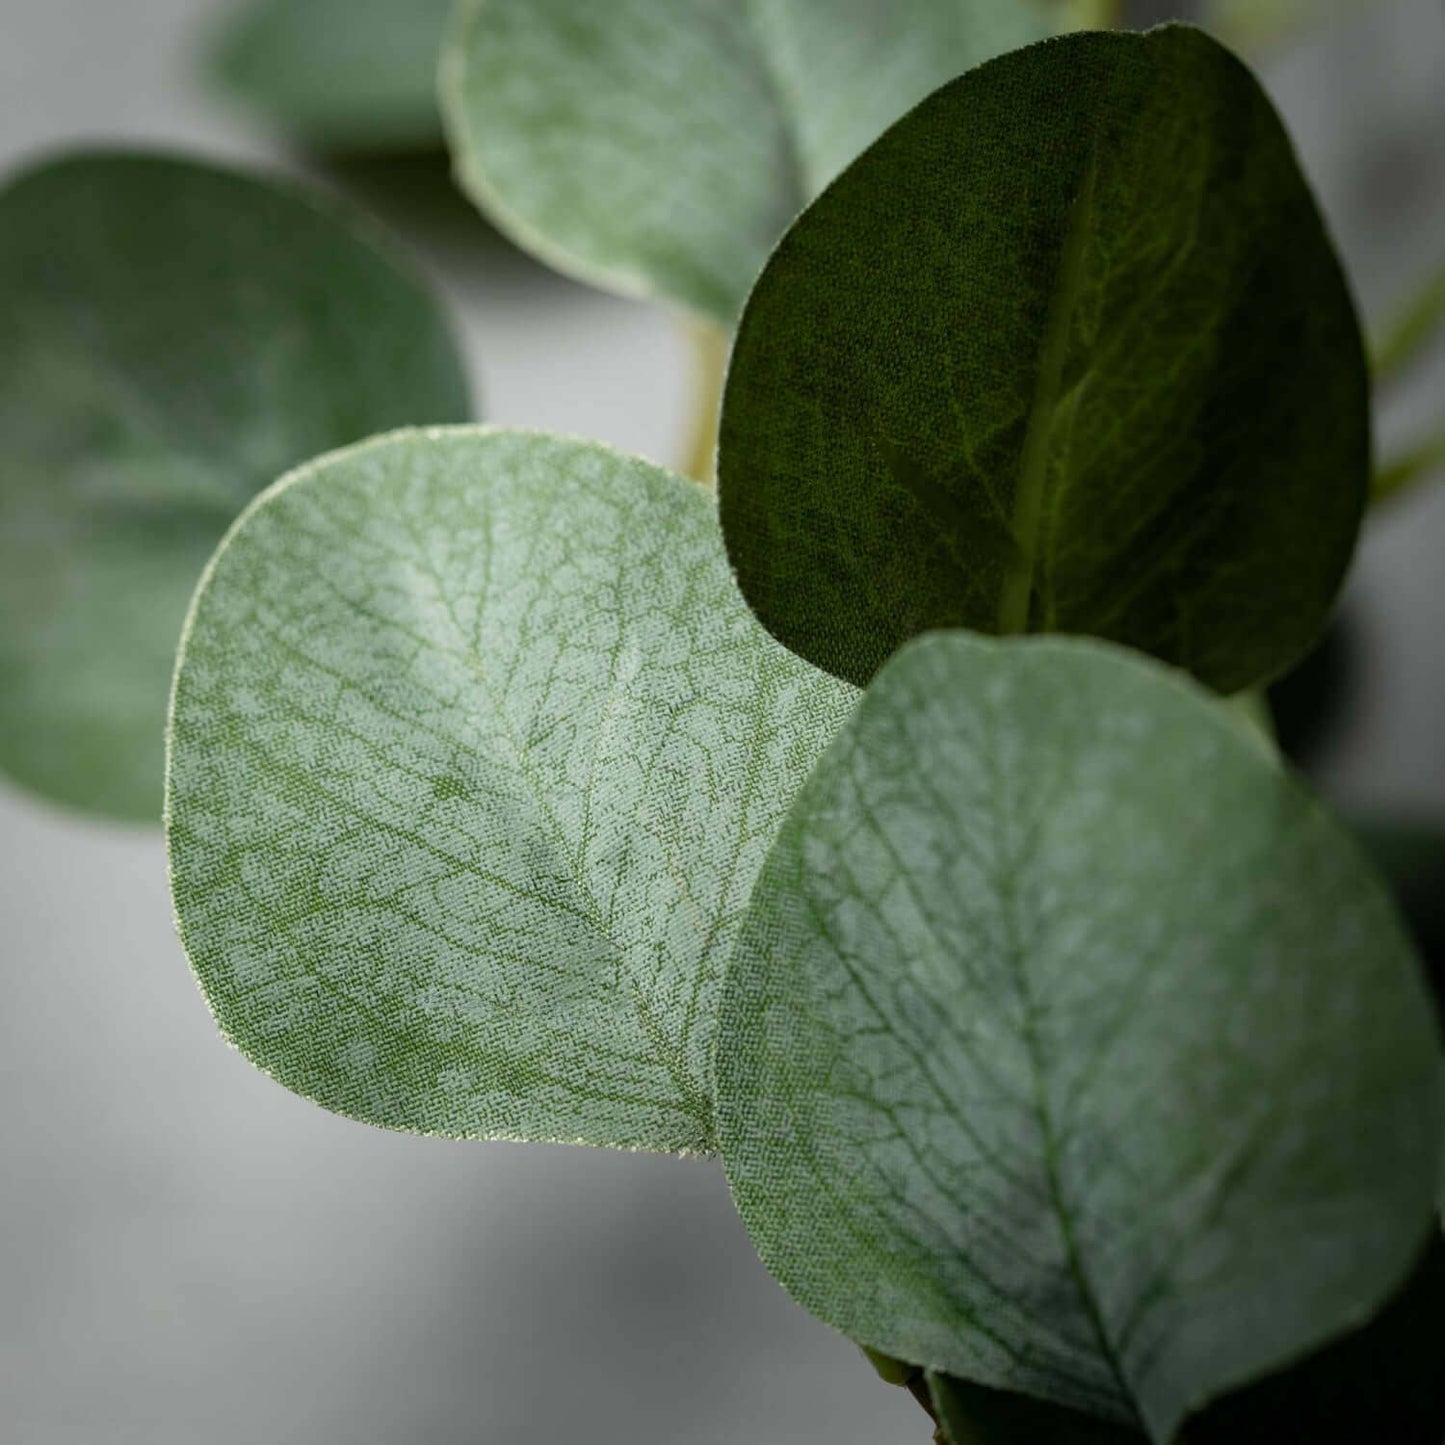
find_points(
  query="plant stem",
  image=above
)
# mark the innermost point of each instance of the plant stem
(1409, 468)
(1264, 25)
(1098, 14)
(911, 1378)
(710, 345)
(1412, 330)
(1253, 711)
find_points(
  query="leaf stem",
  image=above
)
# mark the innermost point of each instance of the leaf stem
(912, 1378)
(1098, 14)
(710, 346)
(1268, 25)
(1409, 468)
(1412, 330)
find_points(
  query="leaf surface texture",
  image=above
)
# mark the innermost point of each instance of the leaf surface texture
(1069, 1046)
(475, 754)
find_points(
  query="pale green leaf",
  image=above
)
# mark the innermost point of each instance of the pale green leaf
(344, 74)
(172, 337)
(475, 755)
(1069, 1046)
(1067, 350)
(660, 147)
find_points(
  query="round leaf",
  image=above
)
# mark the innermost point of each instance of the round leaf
(346, 74)
(172, 337)
(475, 755)
(660, 147)
(1067, 350)
(1069, 1046)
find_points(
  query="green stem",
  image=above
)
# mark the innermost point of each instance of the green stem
(1262, 25)
(710, 349)
(1097, 14)
(1252, 711)
(1413, 329)
(911, 1378)
(1409, 468)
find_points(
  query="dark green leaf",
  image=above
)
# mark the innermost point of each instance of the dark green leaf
(172, 336)
(1085, 292)
(1069, 1046)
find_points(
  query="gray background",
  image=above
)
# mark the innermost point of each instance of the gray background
(188, 1253)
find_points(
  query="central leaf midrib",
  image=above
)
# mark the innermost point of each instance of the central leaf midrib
(1017, 596)
(692, 1100)
(1005, 883)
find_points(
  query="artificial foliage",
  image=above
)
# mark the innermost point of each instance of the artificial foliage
(1061, 1048)
(1006, 1089)
(339, 75)
(661, 147)
(172, 336)
(475, 755)
(1067, 350)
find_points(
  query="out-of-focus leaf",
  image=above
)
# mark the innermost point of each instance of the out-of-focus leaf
(660, 147)
(172, 336)
(343, 74)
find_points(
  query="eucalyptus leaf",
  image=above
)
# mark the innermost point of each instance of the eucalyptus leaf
(1069, 1046)
(660, 147)
(1067, 350)
(343, 74)
(172, 337)
(474, 756)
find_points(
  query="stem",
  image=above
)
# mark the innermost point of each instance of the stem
(1252, 711)
(911, 1378)
(1262, 25)
(1409, 468)
(1097, 14)
(710, 352)
(1412, 330)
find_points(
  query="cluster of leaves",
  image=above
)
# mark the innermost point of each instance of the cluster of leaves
(1058, 1045)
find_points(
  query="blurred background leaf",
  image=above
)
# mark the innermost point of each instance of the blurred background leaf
(344, 75)
(173, 337)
